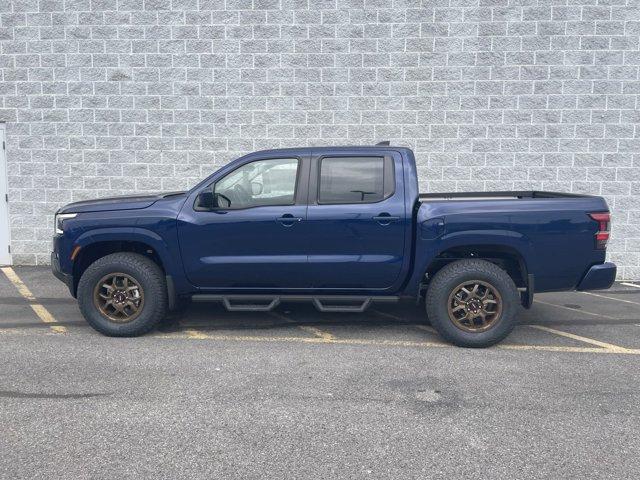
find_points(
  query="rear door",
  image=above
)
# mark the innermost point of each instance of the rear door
(357, 220)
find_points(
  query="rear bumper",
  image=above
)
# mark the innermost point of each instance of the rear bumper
(599, 277)
(59, 274)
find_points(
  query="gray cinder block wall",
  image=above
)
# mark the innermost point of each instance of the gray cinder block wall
(106, 97)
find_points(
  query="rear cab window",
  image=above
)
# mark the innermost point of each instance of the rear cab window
(361, 179)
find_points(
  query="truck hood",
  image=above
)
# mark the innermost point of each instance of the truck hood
(135, 202)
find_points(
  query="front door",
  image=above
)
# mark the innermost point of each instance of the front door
(254, 234)
(358, 221)
(5, 255)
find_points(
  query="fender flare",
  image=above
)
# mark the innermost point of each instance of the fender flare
(132, 234)
(509, 239)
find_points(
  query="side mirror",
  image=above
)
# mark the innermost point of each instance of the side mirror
(256, 188)
(207, 200)
(204, 201)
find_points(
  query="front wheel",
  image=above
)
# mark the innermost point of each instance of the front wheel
(123, 295)
(472, 303)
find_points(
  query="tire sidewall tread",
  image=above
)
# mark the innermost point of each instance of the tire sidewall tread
(451, 276)
(151, 279)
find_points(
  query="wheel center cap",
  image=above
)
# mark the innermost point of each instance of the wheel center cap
(474, 306)
(119, 297)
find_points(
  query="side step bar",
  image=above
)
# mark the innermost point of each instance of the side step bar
(265, 303)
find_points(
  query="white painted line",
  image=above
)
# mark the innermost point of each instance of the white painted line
(580, 338)
(630, 284)
(575, 310)
(610, 298)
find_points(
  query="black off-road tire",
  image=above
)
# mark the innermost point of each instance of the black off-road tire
(452, 275)
(151, 280)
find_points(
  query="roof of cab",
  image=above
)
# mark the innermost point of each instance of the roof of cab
(333, 149)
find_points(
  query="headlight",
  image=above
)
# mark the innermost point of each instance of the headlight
(59, 221)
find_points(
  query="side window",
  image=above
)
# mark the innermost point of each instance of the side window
(355, 179)
(259, 183)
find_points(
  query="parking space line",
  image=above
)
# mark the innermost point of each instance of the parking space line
(402, 343)
(317, 332)
(630, 284)
(586, 312)
(580, 338)
(611, 298)
(42, 313)
(561, 348)
(313, 340)
(305, 328)
(196, 334)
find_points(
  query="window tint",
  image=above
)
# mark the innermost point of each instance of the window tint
(354, 179)
(259, 183)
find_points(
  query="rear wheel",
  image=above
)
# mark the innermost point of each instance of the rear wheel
(472, 303)
(123, 294)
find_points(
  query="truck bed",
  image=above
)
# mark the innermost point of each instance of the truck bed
(553, 231)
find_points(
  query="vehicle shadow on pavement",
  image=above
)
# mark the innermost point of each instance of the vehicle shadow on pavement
(211, 317)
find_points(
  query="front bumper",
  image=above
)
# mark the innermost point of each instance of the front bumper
(59, 274)
(599, 277)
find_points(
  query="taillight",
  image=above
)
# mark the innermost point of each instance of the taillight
(602, 235)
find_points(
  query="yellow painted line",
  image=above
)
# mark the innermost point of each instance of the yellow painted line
(305, 328)
(611, 298)
(317, 332)
(196, 334)
(313, 340)
(586, 312)
(630, 284)
(401, 343)
(39, 310)
(580, 338)
(18, 283)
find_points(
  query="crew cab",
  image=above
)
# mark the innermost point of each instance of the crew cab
(342, 227)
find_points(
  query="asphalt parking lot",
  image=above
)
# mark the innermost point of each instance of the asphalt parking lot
(300, 394)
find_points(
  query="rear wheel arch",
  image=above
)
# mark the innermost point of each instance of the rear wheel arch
(506, 257)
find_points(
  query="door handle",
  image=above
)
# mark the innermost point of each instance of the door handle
(385, 219)
(288, 220)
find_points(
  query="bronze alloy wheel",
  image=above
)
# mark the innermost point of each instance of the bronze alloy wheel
(474, 306)
(118, 297)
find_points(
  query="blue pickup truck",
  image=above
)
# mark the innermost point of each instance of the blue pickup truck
(341, 227)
